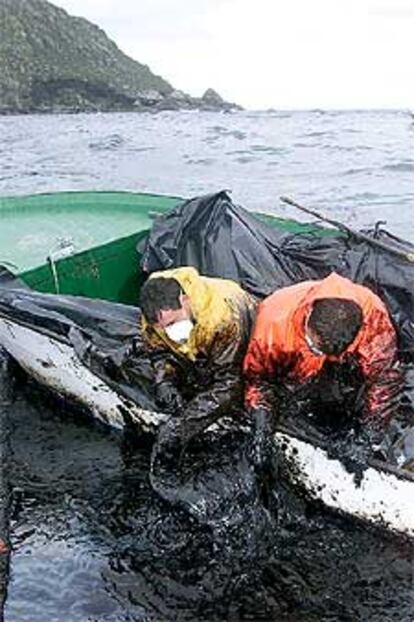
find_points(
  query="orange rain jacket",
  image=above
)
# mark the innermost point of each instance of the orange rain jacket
(278, 351)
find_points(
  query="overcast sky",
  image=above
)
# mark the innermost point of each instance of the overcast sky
(270, 53)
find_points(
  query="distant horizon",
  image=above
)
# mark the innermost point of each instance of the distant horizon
(333, 109)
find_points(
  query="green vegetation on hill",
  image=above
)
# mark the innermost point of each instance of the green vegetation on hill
(50, 60)
(53, 62)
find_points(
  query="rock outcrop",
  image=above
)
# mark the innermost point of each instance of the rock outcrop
(53, 62)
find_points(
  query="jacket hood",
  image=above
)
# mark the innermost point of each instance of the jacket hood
(215, 305)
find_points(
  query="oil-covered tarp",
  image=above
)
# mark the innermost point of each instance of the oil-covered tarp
(105, 335)
(223, 239)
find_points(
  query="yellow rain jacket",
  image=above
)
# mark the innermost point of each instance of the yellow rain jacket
(223, 314)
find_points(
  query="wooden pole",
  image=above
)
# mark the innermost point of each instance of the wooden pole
(356, 234)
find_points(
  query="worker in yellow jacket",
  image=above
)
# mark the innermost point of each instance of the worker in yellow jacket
(202, 325)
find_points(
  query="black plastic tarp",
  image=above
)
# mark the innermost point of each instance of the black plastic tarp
(105, 335)
(225, 240)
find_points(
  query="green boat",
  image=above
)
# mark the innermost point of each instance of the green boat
(84, 243)
(77, 252)
(80, 243)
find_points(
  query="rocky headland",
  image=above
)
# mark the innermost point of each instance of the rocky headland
(53, 62)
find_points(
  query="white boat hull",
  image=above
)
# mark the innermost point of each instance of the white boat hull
(55, 364)
(381, 498)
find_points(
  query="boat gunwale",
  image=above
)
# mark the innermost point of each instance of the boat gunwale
(317, 442)
(40, 329)
(59, 193)
(82, 201)
(79, 255)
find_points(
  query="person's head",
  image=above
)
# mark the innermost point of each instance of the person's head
(332, 325)
(164, 304)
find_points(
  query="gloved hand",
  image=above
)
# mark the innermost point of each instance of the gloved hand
(354, 450)
(261, 456)
(168, 447)
(169, 398)
(261, 446)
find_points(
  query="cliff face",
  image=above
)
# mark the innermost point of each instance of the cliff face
(50, 61)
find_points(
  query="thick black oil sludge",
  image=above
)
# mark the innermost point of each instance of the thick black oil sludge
(92, 541)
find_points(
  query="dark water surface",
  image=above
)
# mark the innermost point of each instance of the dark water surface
(90, 540)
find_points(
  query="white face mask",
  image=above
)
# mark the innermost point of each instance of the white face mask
(179, 331)
(312, 346)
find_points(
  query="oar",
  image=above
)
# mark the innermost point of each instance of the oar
(356, 234)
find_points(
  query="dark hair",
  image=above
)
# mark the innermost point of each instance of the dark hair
(159, 293)
(336, 322)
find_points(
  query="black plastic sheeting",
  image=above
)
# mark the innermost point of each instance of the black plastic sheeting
(105, 335)
(225, 240)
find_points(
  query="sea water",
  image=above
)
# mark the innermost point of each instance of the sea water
(356, 166)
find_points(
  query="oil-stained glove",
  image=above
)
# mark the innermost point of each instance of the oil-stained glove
(165, 470)
(262, 443)
(262, 454)
(354, 451)
(168, 398)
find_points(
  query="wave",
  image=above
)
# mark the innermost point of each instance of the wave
(108, 143)
(400, 167)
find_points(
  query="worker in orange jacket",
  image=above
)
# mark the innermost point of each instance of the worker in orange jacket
(304, 329)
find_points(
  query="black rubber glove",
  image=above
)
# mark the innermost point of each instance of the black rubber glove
(165, 470)
(262, 443)
(168, 398)
(169, 443)
(262, 451)
(354, 450)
